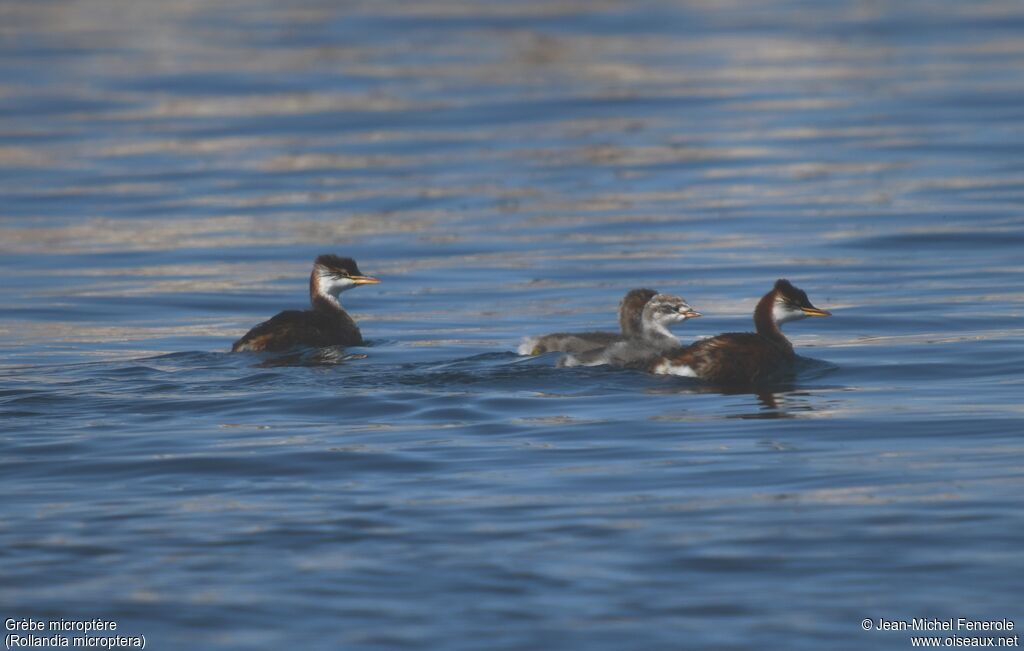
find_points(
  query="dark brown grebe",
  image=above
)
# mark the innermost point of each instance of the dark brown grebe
(630, 323)
(655, 339)
(745, 357)
(327, 324)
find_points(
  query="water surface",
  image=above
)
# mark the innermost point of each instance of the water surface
(169, 170)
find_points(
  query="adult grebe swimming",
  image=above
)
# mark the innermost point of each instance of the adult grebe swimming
(659, 314)
(630, 323)
(327, 324)
(746, 357)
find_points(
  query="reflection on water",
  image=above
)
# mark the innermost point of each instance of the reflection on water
(169, 169)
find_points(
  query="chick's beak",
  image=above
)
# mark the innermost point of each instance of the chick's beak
(690, 313)
(365, 280)
(813, 311)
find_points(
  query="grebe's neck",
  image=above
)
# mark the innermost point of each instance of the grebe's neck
(764, 321)
(655, 330)
(320, 297)
(326, 302)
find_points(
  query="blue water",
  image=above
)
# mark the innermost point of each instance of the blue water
(168, 171)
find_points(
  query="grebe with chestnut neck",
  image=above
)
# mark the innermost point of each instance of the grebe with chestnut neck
(746, 358)
(326, 324)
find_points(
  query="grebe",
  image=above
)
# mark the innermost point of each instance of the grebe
(745, 357)
(327, 324)
(659, 314)
(630, 317)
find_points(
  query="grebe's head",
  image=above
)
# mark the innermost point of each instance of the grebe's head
(665, 310)
(791, 303)
(333, 274)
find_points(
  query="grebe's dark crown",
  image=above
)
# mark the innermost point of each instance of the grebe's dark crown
(337, 265)
(791, 294)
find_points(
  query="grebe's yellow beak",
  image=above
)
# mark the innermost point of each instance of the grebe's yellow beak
(364, 280)
(813, 311)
